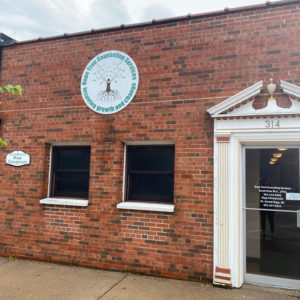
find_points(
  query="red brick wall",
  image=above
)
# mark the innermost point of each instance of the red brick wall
(185, 68)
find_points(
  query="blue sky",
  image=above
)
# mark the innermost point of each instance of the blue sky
(30, 19)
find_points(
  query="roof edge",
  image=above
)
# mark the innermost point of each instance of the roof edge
(154, 22)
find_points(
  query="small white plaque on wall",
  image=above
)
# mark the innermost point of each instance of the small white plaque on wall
(18, 158)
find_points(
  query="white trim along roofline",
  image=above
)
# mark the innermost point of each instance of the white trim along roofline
(290, 88)
(247, 93)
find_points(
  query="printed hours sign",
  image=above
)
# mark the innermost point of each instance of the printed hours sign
(109, 82)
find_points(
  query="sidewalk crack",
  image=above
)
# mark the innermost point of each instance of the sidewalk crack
(113, 286)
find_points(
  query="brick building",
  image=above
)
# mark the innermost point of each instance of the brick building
(159, 185)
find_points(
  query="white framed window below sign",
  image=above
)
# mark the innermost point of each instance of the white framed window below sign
(148, 176)
(69, 174)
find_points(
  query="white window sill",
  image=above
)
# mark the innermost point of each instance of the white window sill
(146, 206)
(65, 201)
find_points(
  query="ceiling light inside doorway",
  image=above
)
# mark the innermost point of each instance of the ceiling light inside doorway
(277, 154)
(282, 149)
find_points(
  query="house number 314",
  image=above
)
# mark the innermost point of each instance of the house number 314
(272, 124)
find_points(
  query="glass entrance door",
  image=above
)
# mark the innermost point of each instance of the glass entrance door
(272, 212)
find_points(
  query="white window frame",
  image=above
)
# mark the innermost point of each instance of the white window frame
(66, 201)
(132, 205)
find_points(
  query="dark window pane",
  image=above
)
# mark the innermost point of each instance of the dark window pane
(275, 251)
(150, 173)
(72, 158)
(154, 188)
(272, 202)
(151, 158)
(272, 185)
(71, 184)
(70, 171)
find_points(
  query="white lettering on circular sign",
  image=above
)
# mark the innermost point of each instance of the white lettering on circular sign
(109, 82)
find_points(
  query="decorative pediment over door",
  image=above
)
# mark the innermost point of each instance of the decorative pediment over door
(258, 100)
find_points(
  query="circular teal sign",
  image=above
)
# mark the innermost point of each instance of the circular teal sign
(109, 82)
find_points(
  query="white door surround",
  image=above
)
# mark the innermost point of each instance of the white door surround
(237, 123)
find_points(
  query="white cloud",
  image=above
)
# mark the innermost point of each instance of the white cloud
(156, 11)
(34, 18)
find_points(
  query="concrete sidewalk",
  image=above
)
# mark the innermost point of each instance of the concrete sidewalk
(22, 279)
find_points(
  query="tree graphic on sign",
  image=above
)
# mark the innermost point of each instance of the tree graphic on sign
(109, 74)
